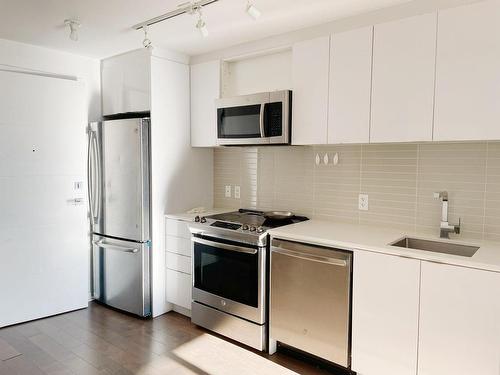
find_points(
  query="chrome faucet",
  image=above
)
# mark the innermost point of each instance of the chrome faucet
(445, 227)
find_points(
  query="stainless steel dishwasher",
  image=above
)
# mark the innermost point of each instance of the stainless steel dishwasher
(310, 301)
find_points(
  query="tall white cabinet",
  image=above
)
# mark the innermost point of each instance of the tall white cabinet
(385, 314)
(205, 89)
(177, 170)
(310, 69)
(404, 55)
(459, 321)
(350, 86)
(468, 74)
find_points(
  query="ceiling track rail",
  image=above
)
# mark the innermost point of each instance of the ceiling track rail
(183, 8)
(13, 69)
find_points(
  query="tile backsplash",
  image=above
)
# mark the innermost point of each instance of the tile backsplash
(399, 179)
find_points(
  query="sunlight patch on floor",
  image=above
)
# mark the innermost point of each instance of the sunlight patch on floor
(215, 356)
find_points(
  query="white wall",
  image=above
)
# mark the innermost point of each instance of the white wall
(14, 55)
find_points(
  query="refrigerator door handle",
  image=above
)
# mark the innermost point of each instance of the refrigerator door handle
(90, 180)
(125, 249)
(98, 163)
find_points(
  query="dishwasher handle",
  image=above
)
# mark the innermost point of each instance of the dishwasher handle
(310, 257)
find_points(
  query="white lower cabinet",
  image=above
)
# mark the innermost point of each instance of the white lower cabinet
(385, 314)
(459, 321)
(179, 288)
(178, 264)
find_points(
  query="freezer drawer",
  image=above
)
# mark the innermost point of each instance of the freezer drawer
(310, 305)
(121, 274)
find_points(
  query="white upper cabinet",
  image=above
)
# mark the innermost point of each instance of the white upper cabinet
(350, 86)
(310, 70)
(459, 321)
(385, 314)
(403, 80)
(126, 83)
(468, 73)
(205, 88)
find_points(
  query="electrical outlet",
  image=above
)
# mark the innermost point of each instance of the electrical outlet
(237, 192)
(363, 202)
(227, 192)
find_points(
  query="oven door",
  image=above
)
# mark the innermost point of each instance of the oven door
(230, 277)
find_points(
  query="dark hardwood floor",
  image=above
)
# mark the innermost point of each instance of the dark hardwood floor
(102, 341)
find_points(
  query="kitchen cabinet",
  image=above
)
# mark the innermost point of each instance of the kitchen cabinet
(178, 264)
(126, 83)
(350, 86)
(459, 321)
(310, 70)
(385, 314)
(467, 74)
(205, 89)
(403, 80)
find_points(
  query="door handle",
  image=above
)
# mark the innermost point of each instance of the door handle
(125, 249)
(261, 120)
(310, 257)
(89, 176)
(224, 246)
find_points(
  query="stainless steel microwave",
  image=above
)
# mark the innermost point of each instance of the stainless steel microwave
(257, 119)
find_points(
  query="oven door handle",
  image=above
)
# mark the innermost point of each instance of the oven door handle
(225, 246)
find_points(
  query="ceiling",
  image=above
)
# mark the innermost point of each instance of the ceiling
(106, 24)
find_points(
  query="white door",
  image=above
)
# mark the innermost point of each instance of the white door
(205, 88)
(310, 68)
(385, 314)
(403, 80)
(468, 74)
(459, 321)
(350, 86)
(44, 255)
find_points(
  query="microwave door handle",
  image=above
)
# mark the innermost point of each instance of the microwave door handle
(261, 120)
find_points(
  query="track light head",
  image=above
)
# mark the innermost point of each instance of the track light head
(253, 11)
(201, 24)
(73, 25)
(146, 41)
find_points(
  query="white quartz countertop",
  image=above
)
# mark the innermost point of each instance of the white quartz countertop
(190, 216)
(376, 239)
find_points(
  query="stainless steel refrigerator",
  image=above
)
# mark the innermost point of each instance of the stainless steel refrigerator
(119, 200)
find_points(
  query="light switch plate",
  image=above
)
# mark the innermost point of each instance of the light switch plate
(227, 192)
(237, 192)
(363, 202)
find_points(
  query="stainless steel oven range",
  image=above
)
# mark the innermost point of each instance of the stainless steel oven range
(230, 274)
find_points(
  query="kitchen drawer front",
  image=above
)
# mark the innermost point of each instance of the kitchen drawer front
(178, 228)
(179, 287)
(178, 262)
(178, 245)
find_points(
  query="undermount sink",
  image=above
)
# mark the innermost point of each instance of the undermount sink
(436, 246)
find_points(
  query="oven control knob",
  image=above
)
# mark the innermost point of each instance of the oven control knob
(245, 227)
(197, 219)
(222, 302)
(260, 230)
(252, 229)
(203, 219)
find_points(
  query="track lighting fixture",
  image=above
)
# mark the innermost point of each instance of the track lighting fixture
(201, 25)
(192, 7)
(73, 25)
(252, 10)
(146, 41)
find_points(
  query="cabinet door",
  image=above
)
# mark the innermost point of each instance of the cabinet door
(205, 88)
(385, 314)
(125, 81)
(403, 80)
(459, 321)
(468, 74)
(310, 68)
(179, 286)
(350, 86)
